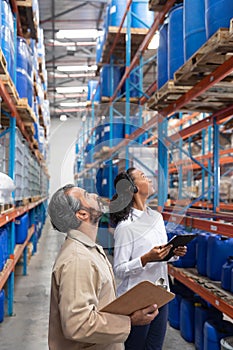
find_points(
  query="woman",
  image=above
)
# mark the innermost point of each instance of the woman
(139, 250)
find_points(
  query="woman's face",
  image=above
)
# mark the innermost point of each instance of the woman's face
(143, 183)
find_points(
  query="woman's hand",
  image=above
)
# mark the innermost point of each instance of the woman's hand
(156, 254)
(180, 251)
(144, 316)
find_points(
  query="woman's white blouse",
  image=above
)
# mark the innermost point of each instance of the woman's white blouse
(133, 238)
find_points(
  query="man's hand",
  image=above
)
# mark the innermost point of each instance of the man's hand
(144, 316)
(156, 254)
(180, 251)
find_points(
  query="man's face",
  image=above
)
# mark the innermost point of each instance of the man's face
(89, 202)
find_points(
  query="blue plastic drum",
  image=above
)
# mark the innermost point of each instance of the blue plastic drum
(218, 14)
(175, 40)
(194, 26)
(162, 57)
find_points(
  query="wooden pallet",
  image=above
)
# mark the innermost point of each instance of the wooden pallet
(138, 34)
(6, 208)
(216, 98)
(25, 111)
(106, 99)
(217, 50)
(3, 63)
(30, 129)
(10, 87)
(167, 94)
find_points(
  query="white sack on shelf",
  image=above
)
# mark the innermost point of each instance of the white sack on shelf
(7, 186)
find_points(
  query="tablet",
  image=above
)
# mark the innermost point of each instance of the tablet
(177, 241)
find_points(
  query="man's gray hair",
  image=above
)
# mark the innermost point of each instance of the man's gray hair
(62, 208)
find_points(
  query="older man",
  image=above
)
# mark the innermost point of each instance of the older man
(83, 281)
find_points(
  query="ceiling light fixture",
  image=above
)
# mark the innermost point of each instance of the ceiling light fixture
(71, 89)
(83, 68)
(63, 117)
(73, 104)
(77, 75)
(79, 33)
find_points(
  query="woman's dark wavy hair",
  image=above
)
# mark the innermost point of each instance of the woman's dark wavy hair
(121, 204)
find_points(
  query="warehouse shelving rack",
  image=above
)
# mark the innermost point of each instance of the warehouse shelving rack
(117, 47)
(215, 221)
(15, 113)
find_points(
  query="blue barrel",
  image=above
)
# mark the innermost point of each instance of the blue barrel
(98, 137)
(106, 19)
(30, 91)
(31, 218)
(7, 36)
(1, 256)
(4, 244)
(22, 53)
(189, 259)
(88, 184)
(2, 298)
(162, 57)
(93, 87)
(98, 183)
(21, 228)
(202, 314)
(226, 273)
(36, 133)
(217, 15)
(202, 240)
(224, 247)
(134, 84)
(29, 61)
(194, 26)
(116, 12)
(78, 166)
(105, 80)
(187, 313)
(231, 281)
(175, 40)
(88, 154)
(117, 132)
(6, 33)
(106, 179)
(214, 331)
(174, 312)
(23, 81)
(99, 48)
(141, 10)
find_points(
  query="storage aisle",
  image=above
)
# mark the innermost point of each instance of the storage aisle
(27, 330)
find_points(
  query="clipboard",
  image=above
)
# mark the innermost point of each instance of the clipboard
(176, 241)
(139, 297)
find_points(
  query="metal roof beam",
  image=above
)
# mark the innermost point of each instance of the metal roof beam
(100, 16)
(65, 12)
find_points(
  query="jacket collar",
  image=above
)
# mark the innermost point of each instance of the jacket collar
(84, 239)
(81, 237)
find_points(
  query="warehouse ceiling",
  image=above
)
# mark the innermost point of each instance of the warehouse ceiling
(79, 51)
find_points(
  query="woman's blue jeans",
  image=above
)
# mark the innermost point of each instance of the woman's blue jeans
(150, 337)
